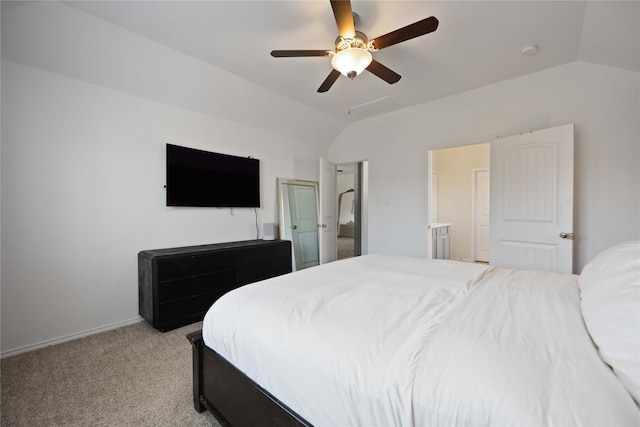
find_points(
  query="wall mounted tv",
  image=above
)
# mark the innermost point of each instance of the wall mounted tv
(202, 178)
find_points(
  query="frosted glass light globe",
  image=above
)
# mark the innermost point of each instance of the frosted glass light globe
(352, 61)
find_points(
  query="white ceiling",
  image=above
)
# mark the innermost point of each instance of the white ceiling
(477, 42)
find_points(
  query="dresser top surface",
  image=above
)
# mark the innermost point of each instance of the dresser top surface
(211, 247)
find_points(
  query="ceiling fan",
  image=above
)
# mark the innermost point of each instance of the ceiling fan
(352, 53)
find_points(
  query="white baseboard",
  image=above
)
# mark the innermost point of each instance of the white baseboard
(71, 337)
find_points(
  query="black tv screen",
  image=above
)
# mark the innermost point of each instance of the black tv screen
(202, 178)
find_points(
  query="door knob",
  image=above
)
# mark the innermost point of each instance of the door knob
(567, 235)
(293, 227)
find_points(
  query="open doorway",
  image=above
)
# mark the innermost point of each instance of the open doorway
(351, 191)
(459, 203)
(531, 200)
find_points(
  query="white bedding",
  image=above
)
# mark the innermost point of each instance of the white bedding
(438, 343)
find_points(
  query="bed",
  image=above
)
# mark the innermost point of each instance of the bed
(383, 340)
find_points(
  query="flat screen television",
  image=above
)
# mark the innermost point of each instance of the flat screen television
(206, 179)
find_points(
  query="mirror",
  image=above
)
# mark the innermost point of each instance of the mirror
(298, 206)
(346, 224)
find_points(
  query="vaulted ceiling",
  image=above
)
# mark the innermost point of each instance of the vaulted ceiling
(477, 42)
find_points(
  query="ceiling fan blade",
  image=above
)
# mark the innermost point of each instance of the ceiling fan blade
(383, 72)
(298, 53)
(329, 81)
(416, 29)
(344, 18)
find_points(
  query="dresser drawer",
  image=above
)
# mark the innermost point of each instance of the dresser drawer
(213, 262)
(192, 265)
(206, 283)
(193, 308)
(174, 268)
(261, 255)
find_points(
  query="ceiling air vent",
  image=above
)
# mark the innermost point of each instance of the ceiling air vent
(378, 106)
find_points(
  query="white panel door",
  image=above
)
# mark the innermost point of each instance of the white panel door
(482, 211)
(532, 200)
(303, 210)
(328, 212)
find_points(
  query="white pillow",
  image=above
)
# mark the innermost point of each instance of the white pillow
(610, 293)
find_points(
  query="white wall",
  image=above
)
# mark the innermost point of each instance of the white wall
(603, 103)
(82, 193)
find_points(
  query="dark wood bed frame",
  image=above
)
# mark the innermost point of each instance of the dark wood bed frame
(231, 396)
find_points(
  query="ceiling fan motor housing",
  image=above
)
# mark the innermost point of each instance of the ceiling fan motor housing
(360, 41)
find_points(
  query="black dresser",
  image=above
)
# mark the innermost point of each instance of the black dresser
(177, 286)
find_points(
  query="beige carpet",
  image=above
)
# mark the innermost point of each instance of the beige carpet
(131, 376)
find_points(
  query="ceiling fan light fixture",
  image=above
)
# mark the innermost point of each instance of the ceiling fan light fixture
(351, 62)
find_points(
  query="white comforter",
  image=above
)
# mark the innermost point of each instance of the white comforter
(385, 340)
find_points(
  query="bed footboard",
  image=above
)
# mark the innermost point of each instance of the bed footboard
(232, 397)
